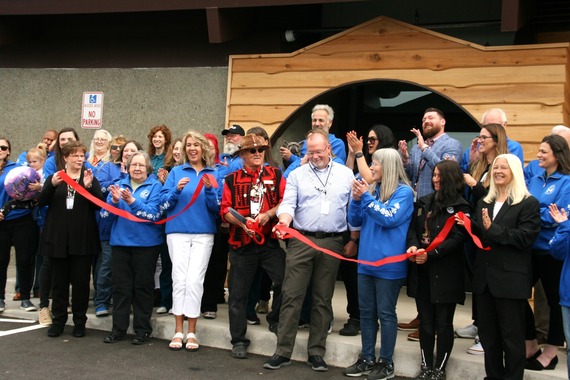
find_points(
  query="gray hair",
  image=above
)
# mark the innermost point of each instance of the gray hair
(393, 172)
(325, 107)
(147, 161)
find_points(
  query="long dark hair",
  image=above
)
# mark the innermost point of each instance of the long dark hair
(59, 161)
(561, 152)
(451, 184)
(3, 164)
(385, 138)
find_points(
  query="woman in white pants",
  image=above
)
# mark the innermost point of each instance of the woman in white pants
(190, 236)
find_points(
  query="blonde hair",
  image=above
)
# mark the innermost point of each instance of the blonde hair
(39, 151)
(393, 173)
(516, 190)
(207, 151)
(107, 156)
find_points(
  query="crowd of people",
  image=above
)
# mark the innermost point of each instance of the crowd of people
(421, 214)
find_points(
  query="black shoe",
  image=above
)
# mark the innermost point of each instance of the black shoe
(140, 339)
(54, 331)
(277, 362)
(351, 328)
(535, 365)
(317, 363)
(114, 337)
(274, 328)
(78, 331)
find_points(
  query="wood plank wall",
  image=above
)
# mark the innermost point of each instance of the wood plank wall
(530, 83)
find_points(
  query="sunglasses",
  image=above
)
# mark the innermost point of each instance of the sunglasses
(258, 150)
(4, 148)
(115, 147)
(371, 139)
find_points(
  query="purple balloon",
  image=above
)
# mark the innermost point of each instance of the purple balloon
(17, 181)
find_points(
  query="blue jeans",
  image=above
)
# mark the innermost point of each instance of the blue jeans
(104, 286)
(377, 298)
(566, 322)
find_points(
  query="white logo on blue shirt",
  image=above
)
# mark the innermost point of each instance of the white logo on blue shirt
(145, 194)
(550, 190)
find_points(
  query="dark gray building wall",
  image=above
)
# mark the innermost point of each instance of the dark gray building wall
(135, 100)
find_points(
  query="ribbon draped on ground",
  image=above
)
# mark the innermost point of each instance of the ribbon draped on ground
(125, 214)
(288, 233)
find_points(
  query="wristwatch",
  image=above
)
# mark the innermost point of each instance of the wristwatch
(358, 154)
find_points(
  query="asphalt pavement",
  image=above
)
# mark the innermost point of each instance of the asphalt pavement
(26, 352)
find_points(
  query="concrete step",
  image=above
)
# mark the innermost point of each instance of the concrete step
(341, 351)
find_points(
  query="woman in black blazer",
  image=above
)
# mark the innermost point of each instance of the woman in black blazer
(436, 277)
(507, 221)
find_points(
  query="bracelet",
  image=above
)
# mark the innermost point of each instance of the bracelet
(358, 154)
(268, 215)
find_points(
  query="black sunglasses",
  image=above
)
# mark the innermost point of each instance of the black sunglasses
(258, 150)
(115, 147)
(4, 148)
(372, 139)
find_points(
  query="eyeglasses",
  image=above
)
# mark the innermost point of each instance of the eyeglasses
(258, 150)
(316, 152)
(99, 139)
(371, 139)
(76, 156)
(483, 137)
(4, 148)
(137, 165)
(115, 147)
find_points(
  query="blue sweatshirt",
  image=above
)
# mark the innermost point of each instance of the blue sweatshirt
(560, 249)
(554, 189)
(127, 233)
(384, 230)
(200, 218)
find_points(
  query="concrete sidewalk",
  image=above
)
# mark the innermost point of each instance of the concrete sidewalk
(341, 351)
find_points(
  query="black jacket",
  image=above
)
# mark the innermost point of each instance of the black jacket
(445, 263)
(69, 232)
(507, 268)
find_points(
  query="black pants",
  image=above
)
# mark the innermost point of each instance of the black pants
(23, 233)
(46, 279)
(216, 273)
(501, 331)
(133, 279)
(244, 263)
(349, 273)
(74, 270)
(434, 317)
(548, 270)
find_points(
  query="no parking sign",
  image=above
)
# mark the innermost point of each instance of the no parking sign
(92, 110)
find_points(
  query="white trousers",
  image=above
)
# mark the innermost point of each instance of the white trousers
(189, 254)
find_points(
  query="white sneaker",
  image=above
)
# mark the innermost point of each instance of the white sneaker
(161, 310)
(477, 348)
(468, 332)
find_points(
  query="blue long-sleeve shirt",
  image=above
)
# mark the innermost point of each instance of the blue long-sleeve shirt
(560, 249)
(384, 228)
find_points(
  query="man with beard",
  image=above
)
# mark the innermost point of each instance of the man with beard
(434, 146)
(229, 158)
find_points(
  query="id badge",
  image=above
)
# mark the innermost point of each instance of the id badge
(69, 202)
(325, 206)
(254, 208)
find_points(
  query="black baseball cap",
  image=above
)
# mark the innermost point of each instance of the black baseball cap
(236, 129)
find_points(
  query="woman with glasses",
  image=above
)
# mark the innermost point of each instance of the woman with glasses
(135, 247)
(379, 137)
(70, 238)
(107, 175)
(100, 149)
(190, 236)
(19, 228)
(116, 146)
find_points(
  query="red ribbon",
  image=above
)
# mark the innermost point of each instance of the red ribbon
(125, 214)
(287, 233)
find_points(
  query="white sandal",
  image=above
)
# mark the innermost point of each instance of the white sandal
(193, 345)
(176, 346)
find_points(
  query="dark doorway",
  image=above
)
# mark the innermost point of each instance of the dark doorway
(398, 104)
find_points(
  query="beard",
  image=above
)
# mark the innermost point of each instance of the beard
(432, 131)
(230, 147)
